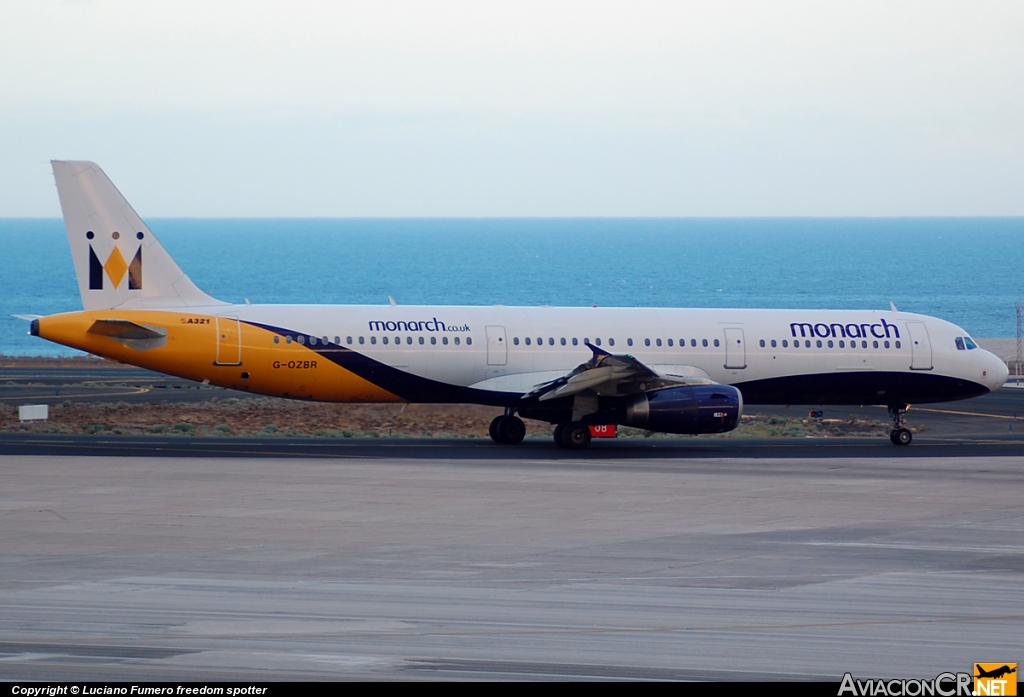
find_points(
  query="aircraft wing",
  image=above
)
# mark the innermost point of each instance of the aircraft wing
(607, 373)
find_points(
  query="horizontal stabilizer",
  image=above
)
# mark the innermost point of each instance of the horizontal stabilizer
(123, 329)
(136, 336)
(27, 318)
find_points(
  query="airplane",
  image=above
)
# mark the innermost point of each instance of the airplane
(682, 371)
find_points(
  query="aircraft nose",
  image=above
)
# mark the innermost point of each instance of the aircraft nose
(994, 371)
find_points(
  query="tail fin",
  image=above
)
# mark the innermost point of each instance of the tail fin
(118, 261)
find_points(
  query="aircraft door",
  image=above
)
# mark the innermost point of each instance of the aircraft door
(920, 346)
(735, 348)
(497, 348)
(229, 341)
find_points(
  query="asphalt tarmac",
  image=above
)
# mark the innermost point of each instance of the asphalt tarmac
(387, 564)
(182, 558)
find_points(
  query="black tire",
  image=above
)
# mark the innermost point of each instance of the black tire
(492, 430)
(511, 430)
(559, 428)
(902, 436)
(576, 436)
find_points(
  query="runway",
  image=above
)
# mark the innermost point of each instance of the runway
(455, 560)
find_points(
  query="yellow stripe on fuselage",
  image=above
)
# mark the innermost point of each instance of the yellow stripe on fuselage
(277, 369)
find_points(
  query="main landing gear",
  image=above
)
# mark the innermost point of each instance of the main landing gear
(900, 434)
(507, 429)
(572, 436)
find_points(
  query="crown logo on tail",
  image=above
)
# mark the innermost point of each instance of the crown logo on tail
(115, 267)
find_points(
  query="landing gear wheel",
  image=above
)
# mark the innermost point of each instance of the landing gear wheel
(511, 430)
(575, 436)
(507, 430)
(559, 429)
(901, 436)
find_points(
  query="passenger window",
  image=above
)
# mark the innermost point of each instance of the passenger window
(586, 340)
(970, 343)
(562, 340)
(515, 341)
(670, 342)
(444, 340)
(337, 340)
(774, 345)
(551, 341)
(959, 343)
(398, 340)
(830, 344)
(629, 342)
(421, 341)
(277, 340)
(818, 342)
(887, 344)
(384, 339)
(408, 340)
(863, 344)
(762, 343)
(647, 342)
(874, 344)
(807, 343)
(842, 344)
(312, 341)
(287, 340)
(611, 342)
(456, 341)
(327, 342)
(658, 342)
(704, 341)
(302, 339)
(348, 340)
(361, 340)
(433, 340)
(716, 342)
(897, 344)
(469, 341)
(540, 341)
(693, 342)
(373, 340)
(785, 344)
(575, 341)
(597, 341)
(527, 341)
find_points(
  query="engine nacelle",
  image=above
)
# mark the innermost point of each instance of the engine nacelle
(690, 409)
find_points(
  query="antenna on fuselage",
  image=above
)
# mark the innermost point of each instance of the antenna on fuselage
(892, 306)
(392, 301)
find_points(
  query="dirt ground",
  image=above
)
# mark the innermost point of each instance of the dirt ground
(267, 416)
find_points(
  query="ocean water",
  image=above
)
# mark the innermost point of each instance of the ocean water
(965, 270)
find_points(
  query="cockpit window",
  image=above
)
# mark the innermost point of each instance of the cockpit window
(959, 343)
(970, 343)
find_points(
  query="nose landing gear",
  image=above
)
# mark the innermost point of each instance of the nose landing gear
(900, 434)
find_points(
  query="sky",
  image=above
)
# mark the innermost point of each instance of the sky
(395, 109)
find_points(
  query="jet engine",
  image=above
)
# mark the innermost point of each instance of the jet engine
(690, 409)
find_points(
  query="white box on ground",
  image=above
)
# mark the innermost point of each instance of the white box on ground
(34, 412)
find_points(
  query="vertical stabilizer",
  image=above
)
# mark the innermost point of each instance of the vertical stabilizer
(118, 261)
